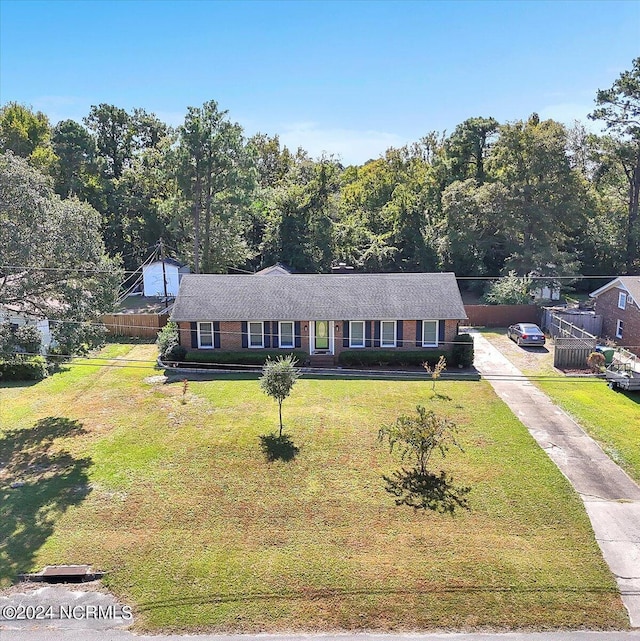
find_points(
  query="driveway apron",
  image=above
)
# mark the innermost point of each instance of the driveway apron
(610, 496)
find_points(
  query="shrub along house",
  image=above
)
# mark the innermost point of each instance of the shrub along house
(618, 302)
(327, 316)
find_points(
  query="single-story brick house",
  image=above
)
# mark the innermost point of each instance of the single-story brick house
(322, 314)
(618, 302)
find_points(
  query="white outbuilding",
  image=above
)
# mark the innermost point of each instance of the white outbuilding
(16, 316)
(154, 277)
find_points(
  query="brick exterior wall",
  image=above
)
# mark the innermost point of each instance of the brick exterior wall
(607, 306)
(231, 337)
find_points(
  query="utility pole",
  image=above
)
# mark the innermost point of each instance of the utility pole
(164, 272)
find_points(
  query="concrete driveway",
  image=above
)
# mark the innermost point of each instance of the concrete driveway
(610, 496)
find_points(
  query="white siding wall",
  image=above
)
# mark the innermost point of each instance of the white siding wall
(152, 280)
(16, 318)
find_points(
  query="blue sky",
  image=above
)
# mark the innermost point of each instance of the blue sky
(349, 78)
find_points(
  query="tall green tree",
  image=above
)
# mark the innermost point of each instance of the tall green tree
(27, 134)
(468, 146)
(300, 220)
(114, 132)
(76, 172)
(619, 108)
(217, 179)
(540, 204)
(58, 267)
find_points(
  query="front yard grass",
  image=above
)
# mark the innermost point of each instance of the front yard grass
(197, 531)
(612, 418)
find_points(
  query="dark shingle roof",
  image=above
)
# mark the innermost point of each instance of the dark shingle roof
(319, 296)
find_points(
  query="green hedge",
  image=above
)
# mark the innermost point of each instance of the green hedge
(462, 353)
(257, 357)
(368, 357)
(19, 369)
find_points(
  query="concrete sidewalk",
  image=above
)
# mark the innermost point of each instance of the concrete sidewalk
(611, 498)
(122, 635)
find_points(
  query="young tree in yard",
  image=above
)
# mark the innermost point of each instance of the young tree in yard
(277, 380)
(417, 438)
(436, 371)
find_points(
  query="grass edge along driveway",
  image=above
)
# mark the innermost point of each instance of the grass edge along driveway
(199, 532)
(610, 417)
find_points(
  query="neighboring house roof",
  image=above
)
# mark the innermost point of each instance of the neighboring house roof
(21, 309)
(279, 269)
(319, 296)
(630, 283)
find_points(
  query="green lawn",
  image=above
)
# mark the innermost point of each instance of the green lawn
(197, 531)
(612, 418)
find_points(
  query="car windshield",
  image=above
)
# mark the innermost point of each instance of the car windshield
(531, 329)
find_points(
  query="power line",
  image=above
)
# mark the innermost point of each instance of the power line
(113, 271)
(213, 367)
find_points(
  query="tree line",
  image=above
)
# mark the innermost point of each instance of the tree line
(532, 197)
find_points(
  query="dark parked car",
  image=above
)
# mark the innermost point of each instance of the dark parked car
(526, 334)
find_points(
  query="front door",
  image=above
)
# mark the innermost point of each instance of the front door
(321, 340)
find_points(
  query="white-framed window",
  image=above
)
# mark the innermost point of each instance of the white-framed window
(387, 333)
(286, 333)
(256, 334)
(622, 300)
(430, 333)
(205, 335)
(619, 328)
(356, 334)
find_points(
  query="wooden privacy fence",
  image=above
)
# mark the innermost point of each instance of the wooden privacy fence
(501, 315)
(572, 353)
(572, 344)
(138, 325)
(587, 321)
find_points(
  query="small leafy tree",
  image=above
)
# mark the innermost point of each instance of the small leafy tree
(417, 438)
(168, 343)
(437, 370)
(7, 340)
(509, 290)
(26, 338)
(29, 339)
(278, 378)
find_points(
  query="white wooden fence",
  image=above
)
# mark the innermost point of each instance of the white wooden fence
(572, 344)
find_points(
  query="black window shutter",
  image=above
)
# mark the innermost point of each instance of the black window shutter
(345, 333)
(298, 333)
(376, 333)
(367, 333)
(267, 334)
(441, 331)
(245, 338)
(419, 333)
(194, 335)
(399, 333)
(216, 335)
